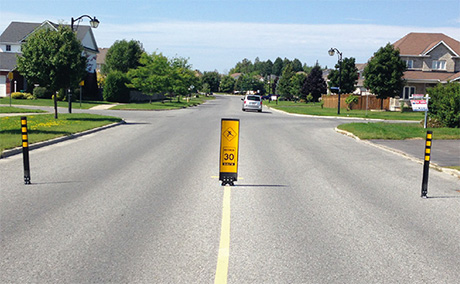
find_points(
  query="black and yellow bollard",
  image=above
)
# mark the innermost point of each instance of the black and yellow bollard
(25, 150)
(426, 164)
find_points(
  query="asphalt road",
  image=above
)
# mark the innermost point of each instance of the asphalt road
(140, 203)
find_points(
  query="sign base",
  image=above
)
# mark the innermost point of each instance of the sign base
(228, 178)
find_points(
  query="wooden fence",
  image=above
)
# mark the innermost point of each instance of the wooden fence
(371, 101)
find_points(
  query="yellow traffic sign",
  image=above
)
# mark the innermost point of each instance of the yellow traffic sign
(10, 75)
(82, 83)
(229, 140)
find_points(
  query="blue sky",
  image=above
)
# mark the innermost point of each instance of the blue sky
(216, 34)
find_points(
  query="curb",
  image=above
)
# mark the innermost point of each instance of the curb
(452, 172)
(18, 150)
(327, 117)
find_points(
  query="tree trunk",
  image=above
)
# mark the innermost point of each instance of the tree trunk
(381, 104)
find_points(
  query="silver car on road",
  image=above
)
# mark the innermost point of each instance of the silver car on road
(253, 102)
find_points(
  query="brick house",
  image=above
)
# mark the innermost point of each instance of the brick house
(10, 48)
(431, 58)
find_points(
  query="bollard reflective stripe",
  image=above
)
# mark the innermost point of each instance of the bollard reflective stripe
(426, 164)
(25, 150)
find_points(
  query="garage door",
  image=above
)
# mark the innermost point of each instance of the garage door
(2, 86)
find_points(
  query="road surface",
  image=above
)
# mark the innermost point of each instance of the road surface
(141, 203)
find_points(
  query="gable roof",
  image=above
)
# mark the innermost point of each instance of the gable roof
(422, 43)
(16, 32)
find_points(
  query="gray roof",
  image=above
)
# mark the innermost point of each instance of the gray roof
(8, 61)
(18, 31)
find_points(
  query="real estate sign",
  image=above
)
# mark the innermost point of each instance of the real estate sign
(419, 103)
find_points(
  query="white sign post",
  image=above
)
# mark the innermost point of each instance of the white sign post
(420, 103)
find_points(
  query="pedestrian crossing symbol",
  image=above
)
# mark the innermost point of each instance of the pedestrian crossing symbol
(229, 134)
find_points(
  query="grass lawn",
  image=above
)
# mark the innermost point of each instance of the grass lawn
(315, 109)
(7, 109)
(397, 131)
(50, 103)
(44, 127)
(166, 105)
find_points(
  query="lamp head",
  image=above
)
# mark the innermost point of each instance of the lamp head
(94, 23)
(331, 52)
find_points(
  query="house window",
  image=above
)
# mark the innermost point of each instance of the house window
(408, 92)
(439, 65)
(409, 64)
(8, 47)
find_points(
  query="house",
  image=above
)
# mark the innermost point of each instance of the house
(431, 58)
(10, 48)
(100, 60)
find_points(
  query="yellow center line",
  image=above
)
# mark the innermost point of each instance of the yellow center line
(224, 247)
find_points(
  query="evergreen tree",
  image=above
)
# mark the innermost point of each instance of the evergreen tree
(314, 84)
(277, 67)
(284, 84)
(296, 65)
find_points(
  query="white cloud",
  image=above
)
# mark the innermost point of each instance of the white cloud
(220, 45)
(217, 45)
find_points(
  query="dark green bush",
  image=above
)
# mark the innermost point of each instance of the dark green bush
(444, 104)
(42, 93)
(115, 89)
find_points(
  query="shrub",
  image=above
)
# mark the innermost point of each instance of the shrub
(115, 89)
(444, 104)
(350, 100)
(42, 93)
(22, 96)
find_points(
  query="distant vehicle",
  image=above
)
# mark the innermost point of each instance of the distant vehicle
(252, 102)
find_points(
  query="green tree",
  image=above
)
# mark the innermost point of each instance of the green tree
(52, 59)
(152, 76)
(384, 73)
(277, 69)
(268, 66)
(444, 104)
(314, 84)
(297, 82)
(213, 79)
(348, 76)
(182, 77)
(227, 84)
(115, 89)
(249, 82)
(284, 84)
(296, 65)
(122, 56)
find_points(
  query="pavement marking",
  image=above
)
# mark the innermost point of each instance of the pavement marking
(224, 247)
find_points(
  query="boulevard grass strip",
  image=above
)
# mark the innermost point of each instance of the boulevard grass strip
(45, 127)
(315, 109)
(7, 109)
(164, 105)
(50, 103)
(398, 131)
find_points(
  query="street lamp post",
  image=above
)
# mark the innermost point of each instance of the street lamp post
(331, 53)
(94, 24)
(92, 21)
